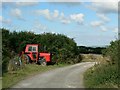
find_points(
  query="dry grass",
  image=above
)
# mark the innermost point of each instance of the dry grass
(91, 58)
(14, 77)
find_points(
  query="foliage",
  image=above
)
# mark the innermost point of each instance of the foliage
(102, 76)
(64, 49)
(105, 74)
(113, 52)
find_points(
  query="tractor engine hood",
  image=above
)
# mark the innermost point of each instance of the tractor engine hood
(47, 56)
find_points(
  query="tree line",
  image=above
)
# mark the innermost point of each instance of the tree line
(90, 50)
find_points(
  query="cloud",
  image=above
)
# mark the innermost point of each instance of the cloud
(79, 18)
(20, 0)
(104, 7)
(103, 17)
(55, 14)
(6, 5)
(115, 30)
(45, 13)
(96, 23)
(1, 18)
(7, 0)
(39, 26)
(65, 21)
(5, 21)
(17, 14)
(26, 3)
(99, 24)
(104, 1)
(62, 16)
(103, 28)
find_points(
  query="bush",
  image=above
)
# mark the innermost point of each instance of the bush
(113, 52)
(102, 76)
(105, 74)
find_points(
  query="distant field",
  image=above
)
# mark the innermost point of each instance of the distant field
(91, 57)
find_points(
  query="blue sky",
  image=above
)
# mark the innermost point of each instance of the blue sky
(89, 23)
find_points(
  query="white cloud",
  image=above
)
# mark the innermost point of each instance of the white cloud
(103, 17)
(104, 1)
(62, 15)
(17, 13)
(26, 3)
(115, 30)
(6, 0)
(104, 7)
(103, 28)
(65, 21)
(21, 0)
(96, 23)
(6, 21)
(79, 18)
(45, 13)
(1, 18)
(60, 0)
(39, 26)
(56, 13)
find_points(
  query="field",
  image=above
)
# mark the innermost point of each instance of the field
(91, 57)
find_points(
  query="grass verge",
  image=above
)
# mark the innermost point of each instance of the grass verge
(0, 83)
(101, 76)
(10, 79)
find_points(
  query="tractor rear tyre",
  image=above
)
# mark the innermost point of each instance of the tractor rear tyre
(24, 59)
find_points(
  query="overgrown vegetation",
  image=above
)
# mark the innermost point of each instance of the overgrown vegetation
(105, 74)
(64, 49)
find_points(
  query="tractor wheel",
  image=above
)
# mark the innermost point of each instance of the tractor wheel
(42, 62)
(24, 59)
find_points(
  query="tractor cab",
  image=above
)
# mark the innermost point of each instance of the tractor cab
(32, 51)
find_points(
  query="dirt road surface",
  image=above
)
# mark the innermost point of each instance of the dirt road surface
(65, 77)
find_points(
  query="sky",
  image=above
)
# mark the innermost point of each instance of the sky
(88, 23)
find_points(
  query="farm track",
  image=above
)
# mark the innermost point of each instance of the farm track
(65, 77)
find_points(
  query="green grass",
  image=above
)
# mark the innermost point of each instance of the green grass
(10, 79)
(101, 76)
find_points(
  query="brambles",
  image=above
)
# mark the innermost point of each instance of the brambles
(105, 74)
(113, 52)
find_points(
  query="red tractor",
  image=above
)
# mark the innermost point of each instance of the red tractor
(32, 54)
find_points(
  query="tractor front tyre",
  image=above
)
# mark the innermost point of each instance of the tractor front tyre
(42, 62)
